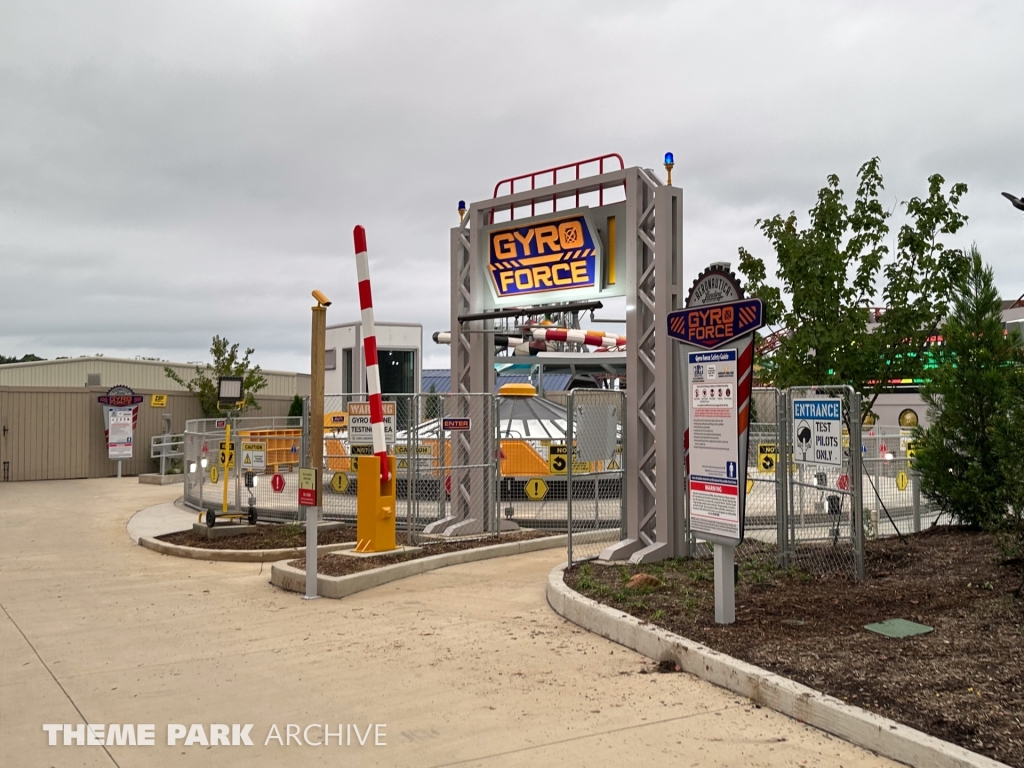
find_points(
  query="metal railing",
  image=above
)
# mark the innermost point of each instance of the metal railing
(165, 447)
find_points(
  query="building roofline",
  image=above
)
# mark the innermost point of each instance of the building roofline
(162, 363)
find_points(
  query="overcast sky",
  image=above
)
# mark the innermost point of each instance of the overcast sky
(170, 171)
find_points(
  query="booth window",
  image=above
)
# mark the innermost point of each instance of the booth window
(346, 370)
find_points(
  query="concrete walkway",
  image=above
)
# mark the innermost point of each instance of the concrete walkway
(462, 666)
(160, 519)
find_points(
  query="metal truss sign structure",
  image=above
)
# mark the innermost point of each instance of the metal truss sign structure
(638, 254)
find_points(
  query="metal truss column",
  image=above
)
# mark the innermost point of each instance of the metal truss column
(472, 371)
(655, 515)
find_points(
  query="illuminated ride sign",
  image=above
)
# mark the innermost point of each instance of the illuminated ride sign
(712, 326)
(552, 254)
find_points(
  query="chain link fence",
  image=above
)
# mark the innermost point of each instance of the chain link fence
(481, 463)
(893, 504)
(250, 492)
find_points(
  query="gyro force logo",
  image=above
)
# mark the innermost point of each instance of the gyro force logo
(545, 256)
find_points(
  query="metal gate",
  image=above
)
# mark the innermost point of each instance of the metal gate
(823, 501)
(593, 471)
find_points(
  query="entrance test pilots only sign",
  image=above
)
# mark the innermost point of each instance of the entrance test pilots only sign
(818, 431)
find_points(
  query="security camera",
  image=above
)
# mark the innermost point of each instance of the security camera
(323, 300)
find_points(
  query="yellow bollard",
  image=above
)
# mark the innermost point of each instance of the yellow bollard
(375, 507)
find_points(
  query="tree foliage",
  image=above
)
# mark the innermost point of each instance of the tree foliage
(963, 467)
(829, 274)
(226, 362)
(23, 359)
(295, 409)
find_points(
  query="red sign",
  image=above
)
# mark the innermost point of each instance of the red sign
(307, 497)
(277, 482)
(448, 485)
(843, 483)
(883, 448)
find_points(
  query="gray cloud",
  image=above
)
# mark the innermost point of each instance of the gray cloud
(174, 171)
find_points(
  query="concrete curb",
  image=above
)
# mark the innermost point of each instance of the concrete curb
(855, 725)
(236, 555)
(286, 577)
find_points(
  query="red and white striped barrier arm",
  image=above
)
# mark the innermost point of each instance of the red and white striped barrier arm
(590, 338)
(370, 352)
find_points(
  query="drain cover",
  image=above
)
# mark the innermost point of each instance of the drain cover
(898, 628)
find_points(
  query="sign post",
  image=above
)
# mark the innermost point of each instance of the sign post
(308, 485)
(718, 384)
(120, 410)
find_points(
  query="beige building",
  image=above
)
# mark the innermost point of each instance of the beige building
(51, 422)
(108, 372)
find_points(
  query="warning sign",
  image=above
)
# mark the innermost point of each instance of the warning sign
(558, 462)
(227, 455)
(767, 457)
(360, 432)
(536, 489)
(902, 480)
(359, 450)
(254, 456)
(339, 483)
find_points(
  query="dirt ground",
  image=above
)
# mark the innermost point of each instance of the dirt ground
(264, 537)
(963, 682)
(340, 565)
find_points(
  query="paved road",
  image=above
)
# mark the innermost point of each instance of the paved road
(463, 666)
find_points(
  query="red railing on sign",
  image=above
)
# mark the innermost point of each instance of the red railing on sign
(576, 168)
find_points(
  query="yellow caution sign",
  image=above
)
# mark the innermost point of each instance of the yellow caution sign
(536, 489)
(227, 455)
(767, 457)
(558, 462)
(214, 474)
(339, 483)
(613, 464)
(902, 480)
(158, 401)
(750, 485)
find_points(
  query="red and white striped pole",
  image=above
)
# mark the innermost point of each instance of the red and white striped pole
(370, 352)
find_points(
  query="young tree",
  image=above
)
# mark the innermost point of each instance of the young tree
(829, 273)
(226, 362)
(295, 409)
(958, 458)
(1010, 448)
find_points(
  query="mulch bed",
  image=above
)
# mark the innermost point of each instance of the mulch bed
(963, 682)
(264, 537)
(341, 565)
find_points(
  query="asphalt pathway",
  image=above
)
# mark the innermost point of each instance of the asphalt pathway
(463, 666)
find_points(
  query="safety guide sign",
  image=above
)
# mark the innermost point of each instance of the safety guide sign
(818, 431)
(714, 444)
